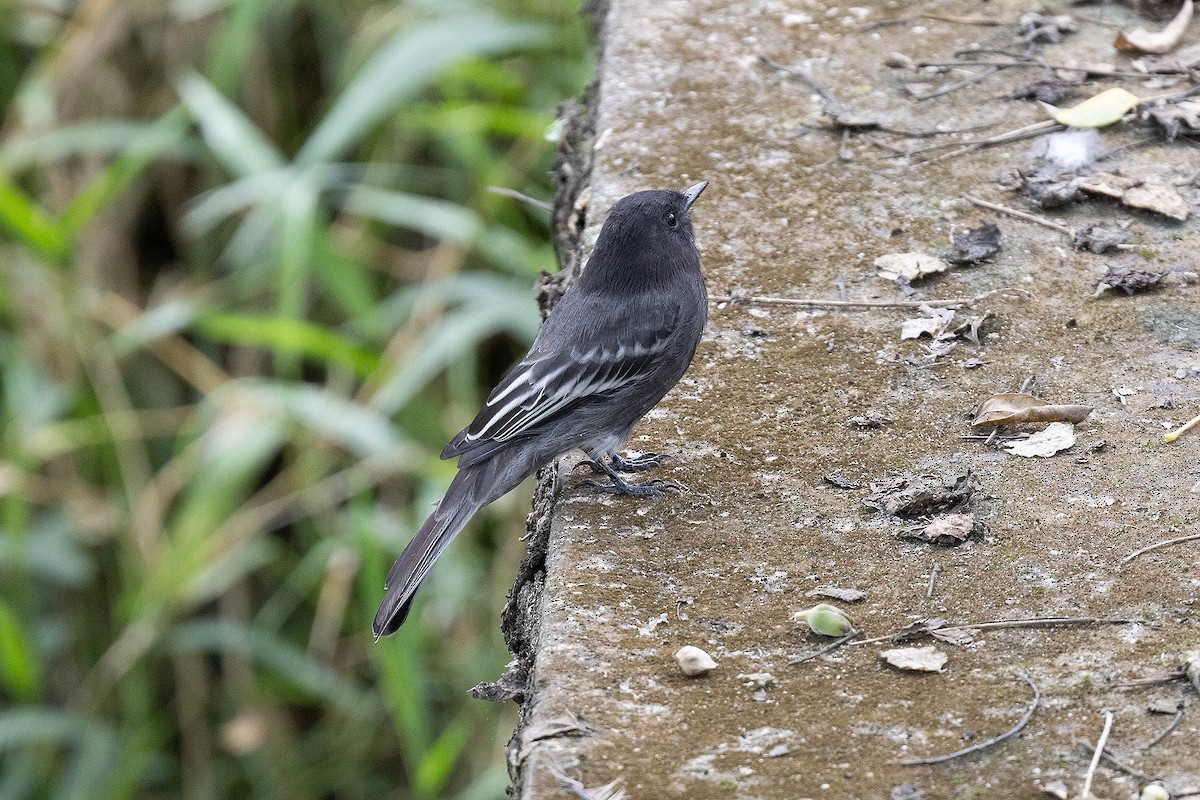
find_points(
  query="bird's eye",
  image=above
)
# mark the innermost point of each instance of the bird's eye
(671, 220)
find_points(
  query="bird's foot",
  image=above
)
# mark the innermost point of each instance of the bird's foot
(655, 487)
(638, 463)
(618, 464)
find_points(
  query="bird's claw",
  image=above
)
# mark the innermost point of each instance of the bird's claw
(639, 464)
(655, 487)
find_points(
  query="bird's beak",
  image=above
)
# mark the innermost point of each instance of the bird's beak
(694, 192)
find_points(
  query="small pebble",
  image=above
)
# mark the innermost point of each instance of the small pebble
(694, 662)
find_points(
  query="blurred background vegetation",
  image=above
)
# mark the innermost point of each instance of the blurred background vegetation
(251, 280)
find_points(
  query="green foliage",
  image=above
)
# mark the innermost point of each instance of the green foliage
(251, 280)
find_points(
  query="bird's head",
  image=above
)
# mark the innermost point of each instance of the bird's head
(648, 233)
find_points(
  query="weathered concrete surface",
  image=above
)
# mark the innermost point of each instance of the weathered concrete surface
(763, 415)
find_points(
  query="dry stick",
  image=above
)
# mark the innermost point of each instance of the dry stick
(1038, 65)
(954, 87)
(1039, 622)
(1027, 132)
(1174, 722)
(1034, 218)
(827, 649)
(1011, 732)
(808, 80)
(932, 580)
(1086, 794)
(524, 198)
(817, 302)
(1144, 550)
(1154, 680)
(1108, 756)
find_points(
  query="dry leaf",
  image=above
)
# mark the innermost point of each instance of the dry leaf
(1164, 41)
(1127, 279)
(1151, 195)
(911, 266)
(1157, 197)
(1098, 240)
(1057, 436)
(935, 322)
(1017, 408)
(957, 636)
(1177, 118)
(917, 496)
(977, 244)
(1179, 62)
(947, 530)
(1103, 109)
(917, 659)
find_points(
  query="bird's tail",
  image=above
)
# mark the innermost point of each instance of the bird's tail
(468, 493)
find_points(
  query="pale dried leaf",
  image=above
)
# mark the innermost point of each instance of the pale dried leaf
(1018, 407)
(1108, 184)
(1157, 197)
(948, 529)
(1159, 42)
(910, 266)
(916, 659)
(1177, 118)
(1057, 436)
(958, 636)
(1098, 111)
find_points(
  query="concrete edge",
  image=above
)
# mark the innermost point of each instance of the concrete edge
(521, 618)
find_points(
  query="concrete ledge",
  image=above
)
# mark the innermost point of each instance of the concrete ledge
(796, 210)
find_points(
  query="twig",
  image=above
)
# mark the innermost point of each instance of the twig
(805, 78)
(1108, 756)
(932, 580)
(1086, 794)
(986, 22)
(766, 300)
(975, 748)
(1144, 550)
(829, 648)
(1039, 622)
(524, 198)
(1034, 218)
(1153, 680)
(1029, 131)
(1012, 212)
(954, 87)
(1174, 722)
(1038, 65)
(1182, 429)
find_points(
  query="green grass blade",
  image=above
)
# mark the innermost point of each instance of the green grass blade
(292, 336)
(32, 225)
(437, 218)
(19, 670)
(234, 139)
(405, 66)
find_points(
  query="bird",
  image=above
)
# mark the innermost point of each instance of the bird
(618, 340)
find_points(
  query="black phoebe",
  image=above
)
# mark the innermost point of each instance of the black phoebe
(617, 341)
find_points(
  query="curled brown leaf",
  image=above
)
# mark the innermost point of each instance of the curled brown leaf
(1017, 408)
(1157, 42)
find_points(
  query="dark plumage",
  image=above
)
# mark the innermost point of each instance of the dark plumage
(620, 338)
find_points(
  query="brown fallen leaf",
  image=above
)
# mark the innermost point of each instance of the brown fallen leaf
(1018, 408)
(1164, 41)
(956, 636)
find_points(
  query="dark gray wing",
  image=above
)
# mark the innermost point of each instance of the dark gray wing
(556, 375)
